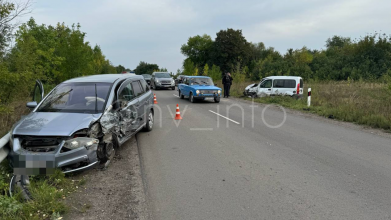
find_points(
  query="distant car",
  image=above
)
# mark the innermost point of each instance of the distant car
(277, 85)
(162, 80)
(147, 78)
(199, 88)
(179, 79)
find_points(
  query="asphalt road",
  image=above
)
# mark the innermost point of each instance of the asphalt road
(207, 167)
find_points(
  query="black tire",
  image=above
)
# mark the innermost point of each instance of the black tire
(21, 183)
(217, 99)
(191, 98)
(150, 120)
(107, 152)
(181, 96)
(173, 88)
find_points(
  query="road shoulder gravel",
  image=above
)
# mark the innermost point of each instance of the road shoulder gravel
(114, 193)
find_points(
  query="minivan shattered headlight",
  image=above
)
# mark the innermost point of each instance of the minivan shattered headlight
(80, 142)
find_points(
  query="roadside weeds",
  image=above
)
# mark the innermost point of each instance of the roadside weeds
(367, 104)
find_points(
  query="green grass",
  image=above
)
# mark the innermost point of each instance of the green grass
(362, 103)
(49, 193)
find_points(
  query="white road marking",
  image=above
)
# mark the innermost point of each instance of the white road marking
(176, 95)
(225, 117)
(201, 129)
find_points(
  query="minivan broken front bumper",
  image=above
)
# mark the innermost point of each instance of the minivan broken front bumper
(27, 162)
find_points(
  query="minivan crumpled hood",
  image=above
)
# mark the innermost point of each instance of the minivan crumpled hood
(200, 87)
(53, 123)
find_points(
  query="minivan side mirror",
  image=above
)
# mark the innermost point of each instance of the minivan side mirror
(31, 105)
(215, 84)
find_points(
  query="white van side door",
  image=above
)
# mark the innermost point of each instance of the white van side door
(265, 88)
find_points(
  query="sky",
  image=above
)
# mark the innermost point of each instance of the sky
(130, 31)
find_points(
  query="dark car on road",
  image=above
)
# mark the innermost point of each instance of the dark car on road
(162, 80)
(147, 78)
(80, 123)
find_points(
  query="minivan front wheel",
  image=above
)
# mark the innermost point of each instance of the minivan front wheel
(150, 121)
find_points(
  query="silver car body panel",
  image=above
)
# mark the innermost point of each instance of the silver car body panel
(64, 125)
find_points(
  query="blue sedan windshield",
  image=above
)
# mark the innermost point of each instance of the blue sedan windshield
(201, 81)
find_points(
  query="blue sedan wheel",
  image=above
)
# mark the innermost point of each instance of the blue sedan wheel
(191, 98)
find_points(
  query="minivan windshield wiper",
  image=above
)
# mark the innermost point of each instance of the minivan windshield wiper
(58, 97)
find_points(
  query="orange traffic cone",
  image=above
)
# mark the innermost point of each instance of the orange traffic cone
(154, 99)
(178, 113)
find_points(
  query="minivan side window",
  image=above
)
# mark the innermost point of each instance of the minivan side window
(284, 83)
(144, 85)
(290, 83)
(278, 83)
(137, 88)
(126, 93)
(266, 84)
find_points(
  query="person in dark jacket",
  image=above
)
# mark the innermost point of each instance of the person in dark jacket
(227, 82)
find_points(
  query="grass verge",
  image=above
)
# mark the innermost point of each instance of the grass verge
(362, 103)
(49, 193)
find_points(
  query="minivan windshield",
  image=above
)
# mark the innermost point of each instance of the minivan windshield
(77, 98)
(162, 75)
(201, 81)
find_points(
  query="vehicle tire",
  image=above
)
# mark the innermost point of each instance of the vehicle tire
(150, 120)
(21, 183)
(181, 96)
(173, 88)
(191, 98)
(217, 99)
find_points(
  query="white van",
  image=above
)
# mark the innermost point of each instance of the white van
(277, 85)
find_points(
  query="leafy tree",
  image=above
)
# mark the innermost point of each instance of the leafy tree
(215, 73)
(198, 49)
(206, 70)
(120, 69)
(188, 67)
(337, 41)
(9, 11)
(146, 68)
(230, 47)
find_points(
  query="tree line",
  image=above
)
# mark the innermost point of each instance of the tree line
(52, 54)
(366, 58)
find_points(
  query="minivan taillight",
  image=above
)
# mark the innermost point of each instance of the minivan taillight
(298, 88)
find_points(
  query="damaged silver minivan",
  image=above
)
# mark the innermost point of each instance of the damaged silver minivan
(80, 123)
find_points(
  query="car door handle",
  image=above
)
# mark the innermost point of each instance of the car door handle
(270, 89)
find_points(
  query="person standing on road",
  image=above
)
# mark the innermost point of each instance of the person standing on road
(227, 82)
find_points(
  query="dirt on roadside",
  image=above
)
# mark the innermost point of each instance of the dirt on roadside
(114, 193)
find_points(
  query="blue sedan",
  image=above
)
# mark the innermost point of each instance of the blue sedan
(199, 88)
